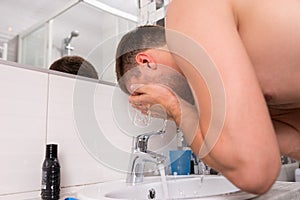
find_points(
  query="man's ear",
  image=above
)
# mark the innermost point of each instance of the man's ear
(143, 58)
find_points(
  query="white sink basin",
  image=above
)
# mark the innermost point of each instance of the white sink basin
(180, 187)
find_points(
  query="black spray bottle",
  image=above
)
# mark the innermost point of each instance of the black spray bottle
(51, 174)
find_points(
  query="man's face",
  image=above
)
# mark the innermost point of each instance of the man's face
(139, 75)
(160, 74)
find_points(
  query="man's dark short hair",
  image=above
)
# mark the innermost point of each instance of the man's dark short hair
(140, 39)
(75, 65)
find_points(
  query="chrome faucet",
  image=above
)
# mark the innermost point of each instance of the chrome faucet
(141, 155)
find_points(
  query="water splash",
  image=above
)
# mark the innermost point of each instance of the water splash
(141, 120)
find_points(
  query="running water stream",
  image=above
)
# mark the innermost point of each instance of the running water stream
(162, 173)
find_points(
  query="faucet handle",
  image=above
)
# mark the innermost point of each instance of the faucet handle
(141, 141)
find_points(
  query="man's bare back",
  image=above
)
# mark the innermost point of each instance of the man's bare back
(255, 46)
(270, 31)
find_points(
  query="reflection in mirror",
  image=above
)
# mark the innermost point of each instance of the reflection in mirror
(77, 31)
(34, 47)
(67, 48)
(86, 28)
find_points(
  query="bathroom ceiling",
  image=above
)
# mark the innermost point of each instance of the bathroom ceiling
(19, 15)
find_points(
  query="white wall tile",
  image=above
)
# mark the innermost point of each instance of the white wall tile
(77, 164)
(23, 100)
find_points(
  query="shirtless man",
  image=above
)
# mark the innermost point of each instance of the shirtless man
(255, 46)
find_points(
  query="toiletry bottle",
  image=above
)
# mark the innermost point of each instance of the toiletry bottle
(180, 139)
(195, 166)
(51, 174)
(297, 174)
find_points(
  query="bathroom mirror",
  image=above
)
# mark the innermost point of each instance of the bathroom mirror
(80, 29)
(88, 28)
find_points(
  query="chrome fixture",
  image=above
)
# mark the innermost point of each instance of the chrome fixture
(141, 155)
(67, 48)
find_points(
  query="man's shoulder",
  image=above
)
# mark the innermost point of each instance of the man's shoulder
(200, 10)
(198, 4)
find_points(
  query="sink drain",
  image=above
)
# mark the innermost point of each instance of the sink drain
(151, 194)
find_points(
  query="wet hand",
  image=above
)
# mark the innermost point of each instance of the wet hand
(158, 99)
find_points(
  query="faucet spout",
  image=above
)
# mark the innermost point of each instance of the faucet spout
(137, 165)
(141, 155)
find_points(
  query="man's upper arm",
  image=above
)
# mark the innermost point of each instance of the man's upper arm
(247, 130)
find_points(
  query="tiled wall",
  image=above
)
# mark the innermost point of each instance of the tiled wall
(84, 117)
(23, 103)
(64, 128)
